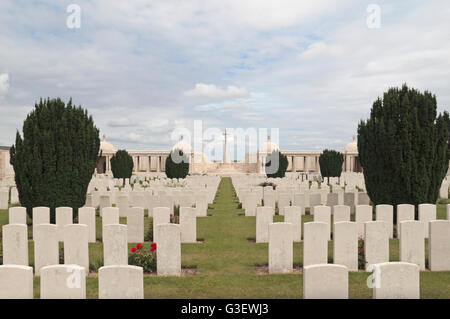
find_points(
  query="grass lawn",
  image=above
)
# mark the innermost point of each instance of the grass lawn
(226, 261)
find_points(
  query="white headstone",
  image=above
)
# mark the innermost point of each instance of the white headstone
(293, 215)
(16, 282)
(341, 213)
(315, 243)
(280, 248)
(325, 281)
(376, 243)
(412, 243)
(161, 215)
(396, 280)
(264, 216)
(120, 282)
(404, 212)
(15, 244)
(323, 214)
(18, 215)
(86, 216)
(41, 215)
(363, 214)
(427, 213)
(76, 249)
(46, 247)
(439, 245)
(168, 250)
(63, 218)
(123, 205)
(4, 198)
(110, 215)
(188, 224)
(115, 245)
(135, 223)
(345, 245)
(63, 281)
(385, 213)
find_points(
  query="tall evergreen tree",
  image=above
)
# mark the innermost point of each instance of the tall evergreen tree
(404, 148)
(122, 165)
(330, 162)
(55, 159)
(177, 164)
(273, 171)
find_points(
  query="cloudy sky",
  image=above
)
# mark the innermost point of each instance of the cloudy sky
(143, 68)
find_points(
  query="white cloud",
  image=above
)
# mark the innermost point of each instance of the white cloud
(211, 91)
(4, 83)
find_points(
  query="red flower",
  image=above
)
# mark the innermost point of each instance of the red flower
(153, 247)
(139, 246)
(133, 250)
(361, 250)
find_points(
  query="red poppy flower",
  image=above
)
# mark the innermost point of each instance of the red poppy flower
(139, 246)
(133, 250)
(361, 250)
(152, 247)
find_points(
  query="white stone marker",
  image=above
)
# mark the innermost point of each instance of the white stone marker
(332, 200)
(17, 215)
(284, 200)
(396, 280)
(264, 216)
(427, 213)
(123, 205)
(314, 200)
(412, 244)
(41, 215)
(345, 248)
(16, 282)
(269, 199)
(376, 243)
(249, 204)
(86, 216)
(168, 250)
(76, 247)
(315, 243)
(188, 225)
(63, 218)
(161, 215)
(281, 247)
(4, 198)
(110, 215)
(105, 201)
(385, 213)
(448, 211)
(115, 244)
(363, 199)
(404, 212)
(135, 223)
(120, 282)
(293, 215)
(325, 281)
(363, 214)
(46, 247)
(439, 245)
(323, 214)
(341, 213)
(63, 281)
(15, 244)
(299, 200)
(349, 200)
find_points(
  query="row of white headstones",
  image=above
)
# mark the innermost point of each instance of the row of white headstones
(323, 280)
(117, 279)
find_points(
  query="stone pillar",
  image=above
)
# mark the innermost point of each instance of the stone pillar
(158, 164)
(294, 168)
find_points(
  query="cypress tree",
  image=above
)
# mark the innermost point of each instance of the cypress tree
(282, 165)
(55, 159)
(330, 162)
(404, 148)
(177, 164)
(122, 165)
